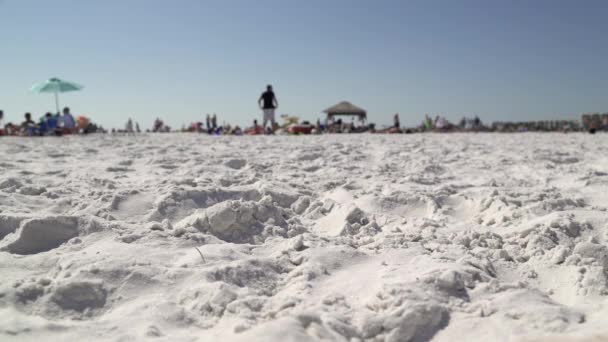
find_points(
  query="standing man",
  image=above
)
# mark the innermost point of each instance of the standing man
(268, 103)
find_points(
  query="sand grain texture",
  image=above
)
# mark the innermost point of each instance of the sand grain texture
(476, 237)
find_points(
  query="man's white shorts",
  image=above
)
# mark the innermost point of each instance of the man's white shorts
(269, 114)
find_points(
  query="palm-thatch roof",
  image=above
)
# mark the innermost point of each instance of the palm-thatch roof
(345, 108)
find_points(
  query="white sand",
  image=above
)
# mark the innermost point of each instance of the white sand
(345, 238)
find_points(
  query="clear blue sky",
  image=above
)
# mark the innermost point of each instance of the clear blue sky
(502, 60)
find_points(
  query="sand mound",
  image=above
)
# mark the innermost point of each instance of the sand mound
(79, 295)
(236, 163)
(179, 204)
(9, 224)
(43, 234)
(242, 222)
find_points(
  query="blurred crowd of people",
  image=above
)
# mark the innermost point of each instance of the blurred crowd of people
(49, 124)
(438, 124)
(441, 124)
(65, 123)
(594, 122)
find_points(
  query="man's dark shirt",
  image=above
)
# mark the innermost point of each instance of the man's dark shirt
(268, 100)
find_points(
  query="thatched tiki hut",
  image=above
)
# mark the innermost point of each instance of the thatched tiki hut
(345, 108)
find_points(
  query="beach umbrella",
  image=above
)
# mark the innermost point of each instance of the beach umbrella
(55, 86)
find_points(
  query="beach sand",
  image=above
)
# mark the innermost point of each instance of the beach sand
(184, 237)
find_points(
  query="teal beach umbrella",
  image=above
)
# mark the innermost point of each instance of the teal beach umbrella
(55, 86)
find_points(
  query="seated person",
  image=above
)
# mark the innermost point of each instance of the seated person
(158, 125)
(42, 125)
(82, 122)
(67, 122)
(255, 129)
(10, 129)
(28, 127)
(51, 124)
(237, 130)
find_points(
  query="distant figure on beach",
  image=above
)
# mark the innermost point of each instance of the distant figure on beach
(28, 120)
(51, 124)
(428, 122)
(208, 123)
(137, 129)
(477, 125)
(214, 122)
(2, 129)
(129, 126)
(66, 121)
(28, 127)
(257, 129)
(604, 125)
(441, 123)
(160, 127)
(396, 123)
(237, 130)
(268, 103)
